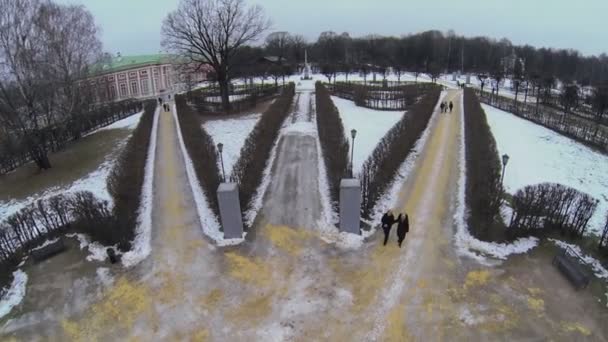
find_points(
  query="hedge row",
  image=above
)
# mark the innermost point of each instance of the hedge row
(202, 150)
(126, 180)
(381, 167)
(551, 206)
(483, 188)
(334, 142)
(249, 168)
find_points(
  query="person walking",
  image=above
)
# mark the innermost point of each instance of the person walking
(451, 106)
(388, 219)
(403, 227)
(442, 106)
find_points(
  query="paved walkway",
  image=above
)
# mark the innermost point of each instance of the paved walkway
(286, 283)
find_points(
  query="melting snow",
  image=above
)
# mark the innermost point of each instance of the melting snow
(595, 264)
(12, 296)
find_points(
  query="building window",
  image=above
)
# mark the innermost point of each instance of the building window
(132, 74)
(112, 91)
(123, 90)
(111, 78)
(133, 88)
(143, 72)
(145, 90)
(122, 76)
(156, 84)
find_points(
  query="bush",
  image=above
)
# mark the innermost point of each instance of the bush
(202, 151)
(380, 168)
(126, 180)
(249, 168)
(483, 188)
(551, 206)
(334, 143)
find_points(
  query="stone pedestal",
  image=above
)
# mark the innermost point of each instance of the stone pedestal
(468, 78)
(350, 206)
(230, 210)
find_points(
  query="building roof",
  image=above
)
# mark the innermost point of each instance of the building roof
(121, 63)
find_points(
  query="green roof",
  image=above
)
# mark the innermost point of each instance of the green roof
(120, 63)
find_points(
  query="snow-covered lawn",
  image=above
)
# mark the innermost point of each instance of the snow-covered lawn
(232, 133)
(539, 155)
(371, 126)
(130, 122)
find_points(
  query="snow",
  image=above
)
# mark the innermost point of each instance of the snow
(595, 264)
(371, 125)
(97, 252)
(46, 243)
(232, 133)
(540, 155)
(104, 276)
(140, 248)
(466, 244)
(208, 221)
(218, 99)
(129, 122)
(12, 296)
(468, 318)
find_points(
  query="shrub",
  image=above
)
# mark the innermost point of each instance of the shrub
(334, 143)
(381, 167)
(483, 188)
(126, 180)
(202, 151)
(604, 237)
(551, 206)
(249, 168)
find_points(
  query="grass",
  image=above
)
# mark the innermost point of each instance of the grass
(68, 165)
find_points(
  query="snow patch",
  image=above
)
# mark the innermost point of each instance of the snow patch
(13, 296)
(232, 133)
(97, 252)
(208, 221)
(466, 244)
(141, 244)
(129, 122)
(595, 264)
(468, 318)
(104, 276)
(46, 243)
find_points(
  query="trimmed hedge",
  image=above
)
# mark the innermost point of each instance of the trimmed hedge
(334, 142)
(249, 168)
(380, 168)
(483, 188)
(125, 183)
(201, 149)
(551, 206)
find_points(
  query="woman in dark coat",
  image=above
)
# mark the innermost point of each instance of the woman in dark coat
(403, 227)
(388, 219)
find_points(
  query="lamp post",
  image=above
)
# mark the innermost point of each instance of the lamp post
(353, 134)
(220, 147)
(505, 160)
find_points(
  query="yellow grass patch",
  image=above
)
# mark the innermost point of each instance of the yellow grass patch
(249, 270)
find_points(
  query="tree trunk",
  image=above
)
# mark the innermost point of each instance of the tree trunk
(222, 80)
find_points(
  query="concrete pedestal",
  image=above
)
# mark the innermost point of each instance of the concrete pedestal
(230, 210)
(350, 206)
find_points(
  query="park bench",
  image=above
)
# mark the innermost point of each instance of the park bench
(571, 266)
(48, 251)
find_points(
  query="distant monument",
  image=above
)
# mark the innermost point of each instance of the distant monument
(307, 71)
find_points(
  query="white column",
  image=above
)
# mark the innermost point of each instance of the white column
(151, 78)
(141, 90)
(116, 86)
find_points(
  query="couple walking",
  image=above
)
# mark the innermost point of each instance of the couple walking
(403, 226)
(445, 106)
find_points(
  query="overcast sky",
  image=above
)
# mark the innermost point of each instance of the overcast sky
(133, 26)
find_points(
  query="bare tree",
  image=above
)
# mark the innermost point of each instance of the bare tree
(211, 31)
(278, 44)
(45, 50)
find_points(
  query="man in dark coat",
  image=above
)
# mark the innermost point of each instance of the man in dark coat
(442, 106)
(403, 227)
(451, 106)
(388, 219)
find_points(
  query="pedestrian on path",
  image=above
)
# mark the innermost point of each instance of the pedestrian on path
(403, 227)
(442, 106)
(388, 219)
(451, 106)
